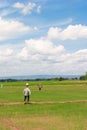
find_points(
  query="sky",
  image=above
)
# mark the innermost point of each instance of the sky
(39, 37)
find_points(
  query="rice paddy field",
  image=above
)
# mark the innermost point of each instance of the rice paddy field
(60, 105)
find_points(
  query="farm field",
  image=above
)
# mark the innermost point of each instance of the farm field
(60, 105)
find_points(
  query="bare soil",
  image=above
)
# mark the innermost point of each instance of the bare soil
(60, 102)
(7, 123)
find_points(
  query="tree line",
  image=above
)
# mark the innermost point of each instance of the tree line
(83, 77)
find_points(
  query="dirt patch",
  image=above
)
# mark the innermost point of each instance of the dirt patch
(61, 102)
(7, 123)
(48, 122)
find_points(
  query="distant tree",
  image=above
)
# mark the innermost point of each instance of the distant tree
(61, 78)
(84, 77)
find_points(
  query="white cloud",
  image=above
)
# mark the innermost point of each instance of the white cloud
(54, 33)
(45, 50)
(40, 49)
(72, 32)
(25, 8)
(11, 28)
(18, 5)
(39, 9)
(52, 59)
(6, 54)
(42, 56)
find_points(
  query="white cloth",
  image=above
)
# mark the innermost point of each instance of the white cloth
(27, 92)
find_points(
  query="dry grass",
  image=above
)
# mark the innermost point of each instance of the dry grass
(44, 123)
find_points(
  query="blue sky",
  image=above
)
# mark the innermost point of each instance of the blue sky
(43, 37)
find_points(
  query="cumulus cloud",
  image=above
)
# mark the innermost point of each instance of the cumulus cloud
(45, 50)
(72, 32)
(5, 54)
(40, 49)
(11, 28)
(26, 8)
(44, 56)
(51, 58)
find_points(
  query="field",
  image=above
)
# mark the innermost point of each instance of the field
(60, 105)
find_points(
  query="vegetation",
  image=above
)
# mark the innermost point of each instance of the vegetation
(62, 116)
(37, 79)
(84, 77)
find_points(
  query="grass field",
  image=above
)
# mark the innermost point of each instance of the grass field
(55, 116)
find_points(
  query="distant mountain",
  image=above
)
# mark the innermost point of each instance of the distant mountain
(40, 77)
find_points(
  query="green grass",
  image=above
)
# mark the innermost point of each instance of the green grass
(52, 91)
(69, 116)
